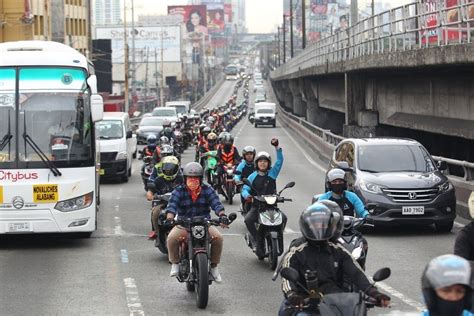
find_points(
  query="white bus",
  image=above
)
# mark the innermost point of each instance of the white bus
(49, 160)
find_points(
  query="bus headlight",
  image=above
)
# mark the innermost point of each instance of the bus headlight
(76, 203)
(121, 155)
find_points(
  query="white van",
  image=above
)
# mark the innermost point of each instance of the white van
(182, 107)
(166, 112)
(265, 114)
(118, 145)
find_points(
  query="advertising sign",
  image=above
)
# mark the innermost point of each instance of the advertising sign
(194, 17)
(327, 17)
(146, 39)
(453, 29)
(228, 13)
(215, 17)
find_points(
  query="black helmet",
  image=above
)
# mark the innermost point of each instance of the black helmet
(193, 169)
(151, 140)
(263, 155)
(443, 271)
(227, 139)
(321, 221)
(248, 149)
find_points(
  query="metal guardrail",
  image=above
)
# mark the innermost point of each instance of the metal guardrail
(467, 167)
(409, 27)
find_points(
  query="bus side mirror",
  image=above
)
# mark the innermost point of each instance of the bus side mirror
(97, 107)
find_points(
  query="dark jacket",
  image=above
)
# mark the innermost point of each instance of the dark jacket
(332, 263)
(464, 245)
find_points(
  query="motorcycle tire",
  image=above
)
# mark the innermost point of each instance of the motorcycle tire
(230, 194)
(272, 246)
(201, 272)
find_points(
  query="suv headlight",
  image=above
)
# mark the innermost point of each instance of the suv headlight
(121, 155)
(76, 203)
(370, 187)
(446, 186)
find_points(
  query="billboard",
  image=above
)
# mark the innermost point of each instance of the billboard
(215, 17)
(147, 39)
(327, 17)
(194, 17)
(228, 13)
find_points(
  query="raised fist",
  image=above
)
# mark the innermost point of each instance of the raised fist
(274, 142)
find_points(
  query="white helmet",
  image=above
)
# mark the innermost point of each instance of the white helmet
(336, 174)
(471, 204)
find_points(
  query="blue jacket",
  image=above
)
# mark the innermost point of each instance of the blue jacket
(272, 173)
(243, 163)
(181, 203)
(353, 198)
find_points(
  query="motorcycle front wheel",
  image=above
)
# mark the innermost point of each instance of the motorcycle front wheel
(272, 247)
(201, 272)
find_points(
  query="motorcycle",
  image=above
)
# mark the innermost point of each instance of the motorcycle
(178, 144)
(344, 304)
(147, 170)
(270, 224)
(210, 167)
(164, 226)
(194, 263)
(352, 239)
(228, 183)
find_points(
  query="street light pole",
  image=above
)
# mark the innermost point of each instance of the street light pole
(291, 28)
(284, 38)
(134, 68)
(279, 49)
(125, 48)
(303, 22)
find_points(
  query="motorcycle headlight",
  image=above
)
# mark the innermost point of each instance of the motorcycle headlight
(76, 203)
(230, 171)
(357, 252)
(370, 187)
(121, 155)
(446, 186)
(198, 232)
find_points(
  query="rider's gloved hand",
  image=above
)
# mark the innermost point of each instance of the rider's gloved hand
(383, 300)
(224, 220)
(295, 299)
(369, 219)
(274, 142)
(249, 199)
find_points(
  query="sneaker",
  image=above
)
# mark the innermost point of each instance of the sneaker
(152, 235)
(216, 275)
(174, 270)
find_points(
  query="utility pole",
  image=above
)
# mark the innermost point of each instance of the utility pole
(146, 83)
(303, 22)
(203, 61)
(134, 68)
(279, 49)
(373, 7)
(125, 48)
(156, 72)
(284, 38)
(291, 28)
(354, 12)
(162, 89)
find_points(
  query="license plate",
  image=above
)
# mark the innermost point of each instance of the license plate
(19, 227)
(264, 121)
(102, 172)
(413, 210)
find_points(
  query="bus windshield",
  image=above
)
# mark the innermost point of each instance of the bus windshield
(53, 109)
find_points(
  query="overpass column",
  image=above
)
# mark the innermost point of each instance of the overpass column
(359, 121)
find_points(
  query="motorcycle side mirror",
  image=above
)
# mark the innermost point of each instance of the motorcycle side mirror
(232, 217)
(382, 274)
(151, 186)
(288, 185)
(290, 274)
(344, 165)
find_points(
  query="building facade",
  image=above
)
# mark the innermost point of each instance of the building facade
(64, 21)
(107, 12)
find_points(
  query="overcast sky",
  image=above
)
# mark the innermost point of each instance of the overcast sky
(262, 15)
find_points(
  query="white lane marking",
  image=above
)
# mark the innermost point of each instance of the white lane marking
(241, 129)
(305, 154)
(118, 226)
(288, 230)
(117, 208)
(124, 255)
(387, 288)
(133, 300)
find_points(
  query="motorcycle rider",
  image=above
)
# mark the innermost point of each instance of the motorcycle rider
(245, 168)
(227, 154)
(169, 178)
(151, 147)
(210, 145)
(195, 198)
(446, 286)
(464, 245)
(263, 181)
(167, 131)
(320, 223)
(348, 201)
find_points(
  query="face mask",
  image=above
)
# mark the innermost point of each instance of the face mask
(193, 183)
(454, 308)
(338, 188)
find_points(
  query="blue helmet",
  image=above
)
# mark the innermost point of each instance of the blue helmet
(151, 140)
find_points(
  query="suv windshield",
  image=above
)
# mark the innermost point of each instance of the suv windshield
(180, 109)
(394, 158)
(110, 129)
(164, 112)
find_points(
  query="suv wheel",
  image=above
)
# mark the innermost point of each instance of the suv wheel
(444, 227)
